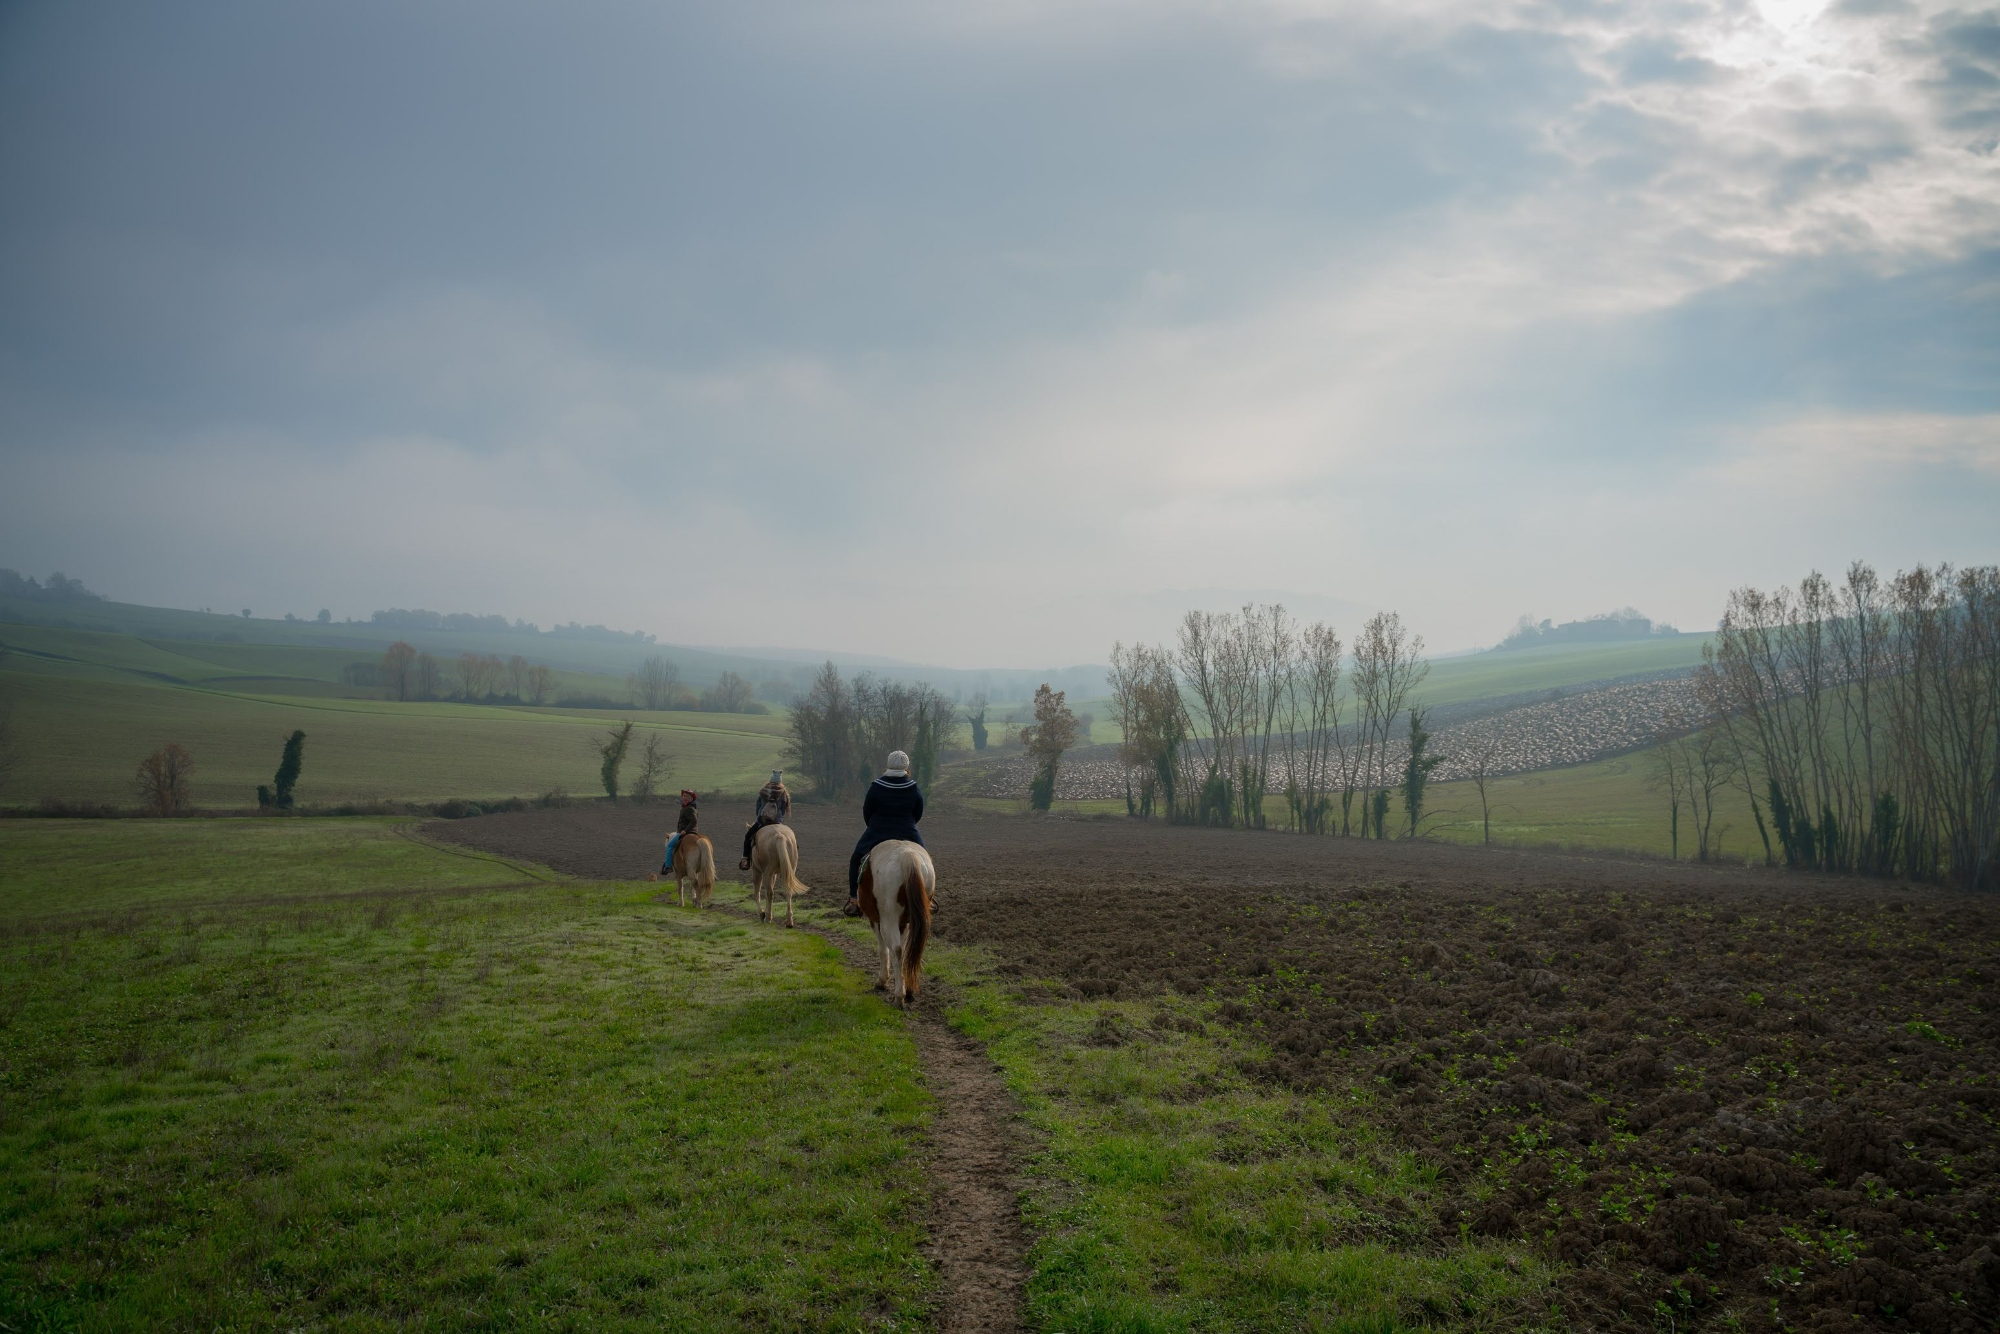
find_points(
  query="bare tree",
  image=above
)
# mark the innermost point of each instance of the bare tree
(398, 669)
(10, 743)
(1866, 720)
(729, 694)
(1155, 722)
(1709, 768)
(1204, 666)
(822, 745)
(1482, 770)
(517, 676)
(1315, 706)
(1123, 679)
(656, 683)
(935, 719)
(541, 683)
(975, 718)
(1269, 645)
(163, 783)
(1670, 775)
(471, 676)
(655, 766)
(1388, 665)
(428, 676)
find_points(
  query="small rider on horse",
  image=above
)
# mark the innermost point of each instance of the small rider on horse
(774, 803)
(892, 808)
(689, 822)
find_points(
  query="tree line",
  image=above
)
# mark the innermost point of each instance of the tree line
(841, 730)
(657, 684)
(1247, 705)
(405, 673)
(1862, 720)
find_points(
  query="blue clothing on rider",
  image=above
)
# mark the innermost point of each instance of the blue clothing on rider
(892, 808)
(689, 823)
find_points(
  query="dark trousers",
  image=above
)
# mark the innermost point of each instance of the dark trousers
(867, 845)
(750, 836)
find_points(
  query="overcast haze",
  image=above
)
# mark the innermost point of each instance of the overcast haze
(980, 334)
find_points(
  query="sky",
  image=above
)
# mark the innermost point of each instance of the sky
(988, 333)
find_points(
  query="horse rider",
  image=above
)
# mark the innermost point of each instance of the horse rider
(774, 803)
(688, 824)
(892, 808)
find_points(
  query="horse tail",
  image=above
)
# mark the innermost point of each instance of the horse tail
(916, 895)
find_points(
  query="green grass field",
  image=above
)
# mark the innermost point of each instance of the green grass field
(82, 739)
(1607, 805)
(321, 1074)
(316, 1075)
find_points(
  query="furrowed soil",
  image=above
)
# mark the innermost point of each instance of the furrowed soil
(1723, 1097)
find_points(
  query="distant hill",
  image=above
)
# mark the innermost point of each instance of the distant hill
(591, 649)
(1611, 627)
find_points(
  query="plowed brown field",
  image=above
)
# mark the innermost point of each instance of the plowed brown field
(1709, 1090)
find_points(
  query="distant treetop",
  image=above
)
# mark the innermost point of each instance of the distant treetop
(1605, 628)
(57, 589)
(399, 618)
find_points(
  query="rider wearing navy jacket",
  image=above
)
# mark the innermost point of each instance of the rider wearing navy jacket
(892, 808)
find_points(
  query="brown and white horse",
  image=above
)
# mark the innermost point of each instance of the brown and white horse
(774, 865)
(897, 882)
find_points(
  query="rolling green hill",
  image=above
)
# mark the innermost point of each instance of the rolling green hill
(89, 702)
(88, 705)
(82, 738)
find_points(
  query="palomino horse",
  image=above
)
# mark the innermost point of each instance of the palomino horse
(774, 865)
(897, 882)
(694, 859)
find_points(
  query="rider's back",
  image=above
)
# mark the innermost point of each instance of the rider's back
(893, 806)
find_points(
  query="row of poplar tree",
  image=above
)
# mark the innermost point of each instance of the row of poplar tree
(1253, 703)
(1862, 720)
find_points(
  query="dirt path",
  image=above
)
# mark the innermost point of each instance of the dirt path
(977, 1241)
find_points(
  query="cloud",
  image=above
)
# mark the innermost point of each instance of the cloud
(1836, 452)
(769, 325)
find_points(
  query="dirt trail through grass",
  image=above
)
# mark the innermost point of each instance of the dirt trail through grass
(976, 1239)
(977, 1242)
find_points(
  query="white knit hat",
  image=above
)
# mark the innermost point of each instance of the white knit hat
(899, 763)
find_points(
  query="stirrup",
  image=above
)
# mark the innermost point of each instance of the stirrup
(851, 908)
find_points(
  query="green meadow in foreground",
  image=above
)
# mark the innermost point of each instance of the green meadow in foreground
(1172, 1192)
(300, 1074)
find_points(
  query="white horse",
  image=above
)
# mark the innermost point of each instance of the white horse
(774, 865)
(897, 882)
